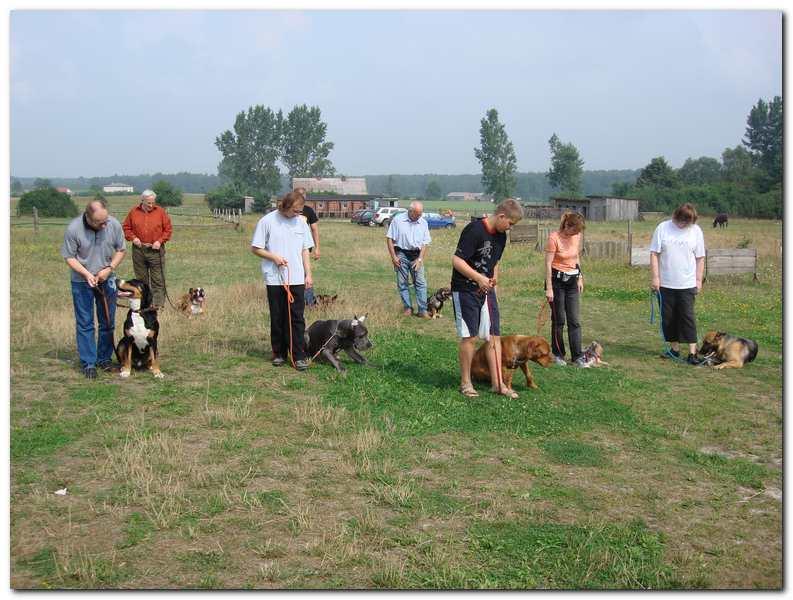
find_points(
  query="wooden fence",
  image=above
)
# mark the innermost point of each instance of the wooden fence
(728, 261)
(228, 215)
(525, 232)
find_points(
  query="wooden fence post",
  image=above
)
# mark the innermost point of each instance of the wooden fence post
(35, 220)
(630, 240)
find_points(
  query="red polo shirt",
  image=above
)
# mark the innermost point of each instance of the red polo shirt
(148, 227)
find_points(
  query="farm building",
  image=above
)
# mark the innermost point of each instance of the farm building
(336, 185)
(466, 196)
(340, 206)
(117, 187)
(601, 208)
(65, 190)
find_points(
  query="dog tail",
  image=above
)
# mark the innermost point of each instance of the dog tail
(751, 346)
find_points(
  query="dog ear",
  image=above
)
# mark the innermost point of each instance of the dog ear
(362, 319)
(190, 291)
(334, 296)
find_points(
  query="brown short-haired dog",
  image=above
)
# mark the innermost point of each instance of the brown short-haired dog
(727, 351)
(516, 351)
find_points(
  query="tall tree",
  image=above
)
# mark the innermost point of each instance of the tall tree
(305, 151)
(567, 168)
(764, 137)
(698, 171)
(657, 174)
(251, 150)
(392, 187)
(736, 165)
(41, 183)
(16, 187)
(167, 194)
(497, 157)
(433, 190)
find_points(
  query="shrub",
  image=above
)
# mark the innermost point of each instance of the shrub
(226, 196)
(49, 202)
(167, 194)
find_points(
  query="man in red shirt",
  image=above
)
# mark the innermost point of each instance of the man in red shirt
(148, 227)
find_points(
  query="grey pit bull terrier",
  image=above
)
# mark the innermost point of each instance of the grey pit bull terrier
(328, 337)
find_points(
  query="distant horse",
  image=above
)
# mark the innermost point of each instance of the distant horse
(720, 220)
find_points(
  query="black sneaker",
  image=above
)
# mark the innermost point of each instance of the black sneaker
(669, 353)
(106, 366)
(90, 372)
(301, 365)
(278, 361)
(694, 360)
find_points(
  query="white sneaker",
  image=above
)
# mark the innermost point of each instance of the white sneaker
(559, 361)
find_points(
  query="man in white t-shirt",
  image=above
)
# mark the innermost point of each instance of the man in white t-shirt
(677, 262)
(282, 240)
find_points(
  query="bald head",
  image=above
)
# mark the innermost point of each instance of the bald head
(96, 214)
(415, 210)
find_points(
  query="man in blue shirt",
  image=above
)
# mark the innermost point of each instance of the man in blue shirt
(407, 239)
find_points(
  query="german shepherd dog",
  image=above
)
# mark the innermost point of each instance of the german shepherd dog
(435, 302)
(725, 351)
(138, 348)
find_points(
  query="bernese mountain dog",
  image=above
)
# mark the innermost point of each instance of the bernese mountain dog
(138, 348)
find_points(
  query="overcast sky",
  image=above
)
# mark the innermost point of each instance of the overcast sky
(97, 93)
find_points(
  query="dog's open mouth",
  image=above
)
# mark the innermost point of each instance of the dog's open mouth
(123, 294)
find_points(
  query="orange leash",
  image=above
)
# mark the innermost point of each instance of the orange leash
(289, 301)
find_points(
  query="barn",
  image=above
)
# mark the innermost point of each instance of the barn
(601, 208)
(339, 206)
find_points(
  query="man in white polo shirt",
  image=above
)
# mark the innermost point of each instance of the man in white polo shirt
(407, 239)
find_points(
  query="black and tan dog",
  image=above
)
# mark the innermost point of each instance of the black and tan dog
(435, 302)
(324, 339)
(138, 348)
(193, 302)
(725, 351)
(516, 352)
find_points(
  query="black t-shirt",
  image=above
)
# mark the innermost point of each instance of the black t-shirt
(310, 214)
(481, 250)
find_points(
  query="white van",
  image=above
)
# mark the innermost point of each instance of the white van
(384, 215)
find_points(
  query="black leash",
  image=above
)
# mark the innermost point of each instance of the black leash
(112, 326)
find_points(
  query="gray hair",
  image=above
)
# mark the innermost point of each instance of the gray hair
(416, 205)
(147, 194)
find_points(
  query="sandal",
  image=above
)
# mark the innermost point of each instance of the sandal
(512, 394)
(468, 391)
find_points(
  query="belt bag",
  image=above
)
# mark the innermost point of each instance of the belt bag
(565, 277)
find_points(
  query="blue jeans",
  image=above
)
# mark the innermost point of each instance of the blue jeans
(405, 272)
(85, 298)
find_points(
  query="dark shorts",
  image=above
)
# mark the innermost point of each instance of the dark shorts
(677, 315)
(476, 315)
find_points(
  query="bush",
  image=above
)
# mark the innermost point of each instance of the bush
(167, 195)
(49, 202)
(226, 196)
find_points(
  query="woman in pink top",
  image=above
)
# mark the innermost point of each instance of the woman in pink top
(563, 285)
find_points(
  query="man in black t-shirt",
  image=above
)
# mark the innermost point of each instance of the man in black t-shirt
(310, 215)
(474, 280)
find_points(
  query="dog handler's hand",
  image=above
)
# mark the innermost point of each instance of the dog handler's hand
(103, 274)
(315, 254)
(137, 242)
(656, 284)
(484, 283)
(395, 262)
(280, 261)
(90, 279)
(309, 281)
(580, 284)
(549, 295)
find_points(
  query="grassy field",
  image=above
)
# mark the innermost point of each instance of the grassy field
(230, 473)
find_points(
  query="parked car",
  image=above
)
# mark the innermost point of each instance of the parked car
(357, 215)
(366, 217)
(384, 215)
(436, 221)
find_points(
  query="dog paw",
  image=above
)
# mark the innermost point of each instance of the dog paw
(159, 374)
(124, 374)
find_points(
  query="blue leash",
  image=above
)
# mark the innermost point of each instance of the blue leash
(655, 298)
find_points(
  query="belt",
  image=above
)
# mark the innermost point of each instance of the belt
(408, 252)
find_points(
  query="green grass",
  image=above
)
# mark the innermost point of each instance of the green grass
(628, 476)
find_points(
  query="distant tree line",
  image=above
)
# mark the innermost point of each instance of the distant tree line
(747, 181)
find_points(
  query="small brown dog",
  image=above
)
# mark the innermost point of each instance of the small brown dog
(725, 351)
(516, 352)
(435, 302)
(192, 303)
